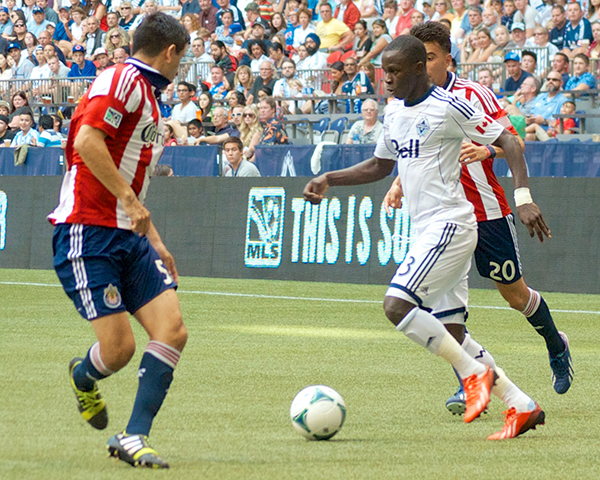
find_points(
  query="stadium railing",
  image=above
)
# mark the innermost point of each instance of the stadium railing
(51, 93)
(542, 54)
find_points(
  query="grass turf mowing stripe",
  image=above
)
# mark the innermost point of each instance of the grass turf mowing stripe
(284, 297)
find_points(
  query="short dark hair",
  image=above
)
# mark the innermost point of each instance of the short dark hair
(189, 86)
(25, 111)
(196, 123)
(218, 43)
(235, 140)
(529, 53)
(563, 55)
(157, 32)
(433, 32)
(411, 47)
(46, 122)
(583, 57)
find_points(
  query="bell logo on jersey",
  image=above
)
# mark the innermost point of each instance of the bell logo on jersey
(112, 117)
(410, 151)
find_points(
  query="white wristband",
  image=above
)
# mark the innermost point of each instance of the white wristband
(522, 196)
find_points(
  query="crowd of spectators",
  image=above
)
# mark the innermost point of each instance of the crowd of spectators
(244, 54)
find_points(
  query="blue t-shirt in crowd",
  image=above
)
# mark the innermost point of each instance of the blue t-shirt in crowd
(586, 78)
(512, 85)
(88, 70)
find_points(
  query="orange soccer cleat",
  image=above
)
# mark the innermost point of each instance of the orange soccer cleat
(517, 423)
(477, 389)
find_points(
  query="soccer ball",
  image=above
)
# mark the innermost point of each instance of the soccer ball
(318, 412)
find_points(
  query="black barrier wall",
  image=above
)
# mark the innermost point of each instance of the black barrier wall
(261, 228)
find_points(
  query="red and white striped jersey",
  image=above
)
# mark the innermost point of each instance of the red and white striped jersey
(478, 179)
(121, 102)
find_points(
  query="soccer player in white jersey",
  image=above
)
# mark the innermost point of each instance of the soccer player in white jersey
(497, 252)
(108, 255)
(423, 131)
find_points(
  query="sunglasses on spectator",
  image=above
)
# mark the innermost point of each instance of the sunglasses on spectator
(236, 114)
(249, 115)
(115, 36)
(553, 79)
(125, 8)
(19, 24)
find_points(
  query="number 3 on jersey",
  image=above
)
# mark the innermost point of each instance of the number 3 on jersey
(160, 266)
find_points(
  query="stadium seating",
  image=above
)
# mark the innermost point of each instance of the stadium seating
(330, 136)
(339, 125)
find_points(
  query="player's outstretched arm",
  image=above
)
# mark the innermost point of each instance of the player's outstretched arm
(369, 171)
(163, 253)
(393, 197)
(92, 149)
(528, 212)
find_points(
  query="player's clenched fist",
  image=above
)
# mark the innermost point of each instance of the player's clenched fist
(139, 215)
(315, 189)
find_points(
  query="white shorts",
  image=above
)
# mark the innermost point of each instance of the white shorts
(434, 273)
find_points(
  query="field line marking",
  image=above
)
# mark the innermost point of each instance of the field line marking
(310, 299)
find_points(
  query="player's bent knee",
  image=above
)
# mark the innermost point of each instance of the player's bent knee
(457, 331)
(173, 333)
(396, 309)
(516, 294)
(118, 354)
(180, 337)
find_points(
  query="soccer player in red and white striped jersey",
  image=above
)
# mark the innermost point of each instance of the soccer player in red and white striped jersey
(497, 255)
(108, 255)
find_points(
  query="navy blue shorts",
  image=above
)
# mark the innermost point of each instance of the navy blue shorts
(107, 270)
(497, 252)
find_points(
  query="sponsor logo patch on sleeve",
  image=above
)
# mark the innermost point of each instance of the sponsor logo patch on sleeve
(112, 117)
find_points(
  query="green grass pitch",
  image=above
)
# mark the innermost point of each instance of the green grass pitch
(227, 414)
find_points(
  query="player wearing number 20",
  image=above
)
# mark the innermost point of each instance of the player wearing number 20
(107, 253)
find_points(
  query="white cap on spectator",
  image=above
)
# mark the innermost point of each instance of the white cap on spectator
(100, 51)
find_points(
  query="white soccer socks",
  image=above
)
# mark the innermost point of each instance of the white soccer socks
(426, 330)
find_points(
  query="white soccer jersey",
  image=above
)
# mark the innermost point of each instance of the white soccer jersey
(425, 139)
